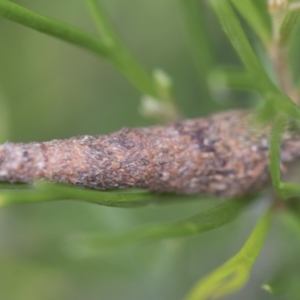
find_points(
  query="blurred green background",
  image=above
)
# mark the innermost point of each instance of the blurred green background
(50, 89)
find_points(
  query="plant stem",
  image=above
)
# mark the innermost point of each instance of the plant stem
(255, 18)
(202, 52)
(106, 31)
(121, 59)
(127, 63)
(58, 29)
(275, 100)
(241, 44)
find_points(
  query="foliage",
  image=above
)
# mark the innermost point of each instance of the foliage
(273, 25)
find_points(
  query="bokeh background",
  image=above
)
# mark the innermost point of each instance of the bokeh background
(50, 89)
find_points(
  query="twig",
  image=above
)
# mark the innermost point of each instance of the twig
(218, 155)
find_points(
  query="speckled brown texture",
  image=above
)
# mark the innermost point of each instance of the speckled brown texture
(219, 155)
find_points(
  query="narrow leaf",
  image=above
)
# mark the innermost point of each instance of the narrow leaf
(275, 101)
(47, 192)
(193, 12)
(55, 28)
(274, 154)
(238, 38)
(255, 18)
(204, 221)
(232, 275)
(284, 189)
(120, 58)
(289, 22)
(106, 31)
(120, 55)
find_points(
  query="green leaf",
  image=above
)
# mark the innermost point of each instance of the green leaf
(284, 190)
(55, 28)
(105, 29)
(288, 190)
(232, 275)
(289, 22)
(118, 56)
(47, 192)
(238, 39)
(194, 13)
(255, 18)
(194, 16)
(121, 56)
(274, 154)
(204, 221)
(276, 101)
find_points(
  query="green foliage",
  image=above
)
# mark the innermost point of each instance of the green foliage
(110, 48)
(256, 18)
(233, 274)
(44, 192)
(201, 222)
(288, 23)
(276, 107)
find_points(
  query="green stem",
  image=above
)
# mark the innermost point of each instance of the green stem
(255, 18)
(122, 60)
(284, 189)
(58, 29)
(135, 73)
(276, 101)
(239, 40)
(274, 155)
(200, 46)
(106, 31)
(194, 17)
(289, 22)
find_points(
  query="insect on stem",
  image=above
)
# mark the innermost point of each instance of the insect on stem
(224, 155)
